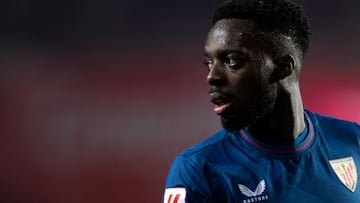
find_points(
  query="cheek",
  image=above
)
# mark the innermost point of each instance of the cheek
(248, 86)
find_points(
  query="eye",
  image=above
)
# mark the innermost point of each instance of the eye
(233, 62)
(208, 63)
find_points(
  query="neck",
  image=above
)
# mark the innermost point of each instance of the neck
(284, 123)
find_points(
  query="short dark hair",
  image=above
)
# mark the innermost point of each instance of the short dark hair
(270, 16)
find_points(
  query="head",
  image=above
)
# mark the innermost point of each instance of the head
(254, 51)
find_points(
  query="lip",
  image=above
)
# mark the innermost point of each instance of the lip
(218, 98)
(221, 102)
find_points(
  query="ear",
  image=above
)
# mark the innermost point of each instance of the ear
(284, 67)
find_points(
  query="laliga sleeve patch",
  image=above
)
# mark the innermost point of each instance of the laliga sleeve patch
(175, 195)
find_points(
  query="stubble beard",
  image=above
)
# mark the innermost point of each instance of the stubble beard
(247, 117)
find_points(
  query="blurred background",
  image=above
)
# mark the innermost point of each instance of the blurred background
(98, 97)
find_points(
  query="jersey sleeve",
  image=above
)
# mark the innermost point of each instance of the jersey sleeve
(186, 182)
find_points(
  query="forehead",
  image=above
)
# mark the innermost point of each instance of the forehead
(229, 31)
(233, 34)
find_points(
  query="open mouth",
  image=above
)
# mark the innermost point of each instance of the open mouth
(221, 102)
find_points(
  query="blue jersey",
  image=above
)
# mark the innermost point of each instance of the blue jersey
(319, 166)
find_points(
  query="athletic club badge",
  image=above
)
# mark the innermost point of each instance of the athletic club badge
(345, 170)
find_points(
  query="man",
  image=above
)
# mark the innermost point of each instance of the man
(271, 149)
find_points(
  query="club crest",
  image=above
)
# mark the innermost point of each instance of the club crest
(345, 170)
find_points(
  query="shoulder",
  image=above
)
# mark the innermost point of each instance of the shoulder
(210, 146)
(199, 156)
(333, 123)
(188, 170)
(320, 119)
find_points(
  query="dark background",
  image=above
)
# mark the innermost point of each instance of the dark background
(97, 97)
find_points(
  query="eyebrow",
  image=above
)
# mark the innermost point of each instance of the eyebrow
(224, 52)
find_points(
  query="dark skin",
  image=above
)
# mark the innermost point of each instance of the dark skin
(254, 80)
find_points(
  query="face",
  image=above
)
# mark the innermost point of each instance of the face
(240, 66)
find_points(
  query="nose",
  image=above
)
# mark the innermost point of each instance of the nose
(216, 75)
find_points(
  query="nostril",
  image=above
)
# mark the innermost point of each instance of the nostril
(216, 77)
(216, 80)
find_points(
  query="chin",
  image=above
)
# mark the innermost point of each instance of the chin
(233, 124)
(244, 119)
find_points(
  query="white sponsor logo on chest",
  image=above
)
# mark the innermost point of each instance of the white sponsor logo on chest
(254, 196)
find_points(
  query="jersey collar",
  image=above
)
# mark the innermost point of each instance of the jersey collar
(300, 144)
